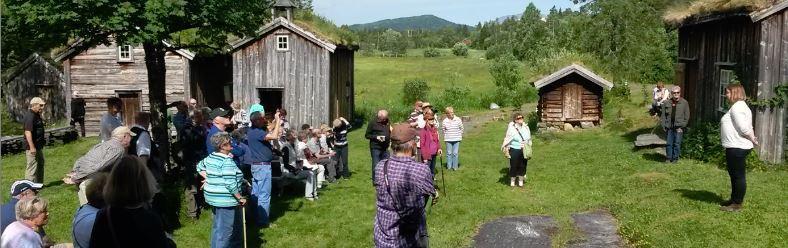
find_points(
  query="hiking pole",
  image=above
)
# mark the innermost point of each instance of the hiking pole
(443, 178)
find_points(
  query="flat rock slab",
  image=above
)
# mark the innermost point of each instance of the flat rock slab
(649, 140)
(522, 231)
(599, 229)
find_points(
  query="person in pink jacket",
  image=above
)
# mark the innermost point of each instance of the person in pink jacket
(430, 145)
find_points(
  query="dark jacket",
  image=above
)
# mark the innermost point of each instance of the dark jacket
(375, 129)
(682, 114)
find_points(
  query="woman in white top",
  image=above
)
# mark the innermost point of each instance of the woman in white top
(452, 134)
(738, 138)
(32, 215)
(517, 135)
(660, 95)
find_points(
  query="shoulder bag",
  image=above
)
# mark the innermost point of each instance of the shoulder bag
(528, 151)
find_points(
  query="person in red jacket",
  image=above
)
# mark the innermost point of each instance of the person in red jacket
(430, 145)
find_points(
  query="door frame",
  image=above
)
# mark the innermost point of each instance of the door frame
(118, 93)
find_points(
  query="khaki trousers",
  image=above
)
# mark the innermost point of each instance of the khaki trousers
(82, 193)
(35, 166)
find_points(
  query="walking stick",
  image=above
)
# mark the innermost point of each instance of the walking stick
(243, 215)
(443, 178)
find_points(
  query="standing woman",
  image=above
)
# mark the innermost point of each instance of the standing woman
(430, 144)
(738, 138)
(452, 134)
(517, 135)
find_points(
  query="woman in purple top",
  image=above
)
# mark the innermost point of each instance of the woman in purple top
(430, 144)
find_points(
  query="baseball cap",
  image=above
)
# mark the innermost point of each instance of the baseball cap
(37, 100)
(403, 133)
(20, 186)
(218, 112)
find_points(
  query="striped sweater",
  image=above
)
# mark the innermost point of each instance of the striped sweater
(452, 129)
(223, 180)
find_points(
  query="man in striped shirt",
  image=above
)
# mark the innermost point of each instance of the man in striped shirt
(222, 190)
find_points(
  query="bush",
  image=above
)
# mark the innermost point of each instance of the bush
(619, 91)
(459, 98)
(414, 89)
(496, 51)
(432, 52)
(702, 142)
(460, 49)
(506, 72)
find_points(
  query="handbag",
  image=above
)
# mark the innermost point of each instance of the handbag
(528, 151)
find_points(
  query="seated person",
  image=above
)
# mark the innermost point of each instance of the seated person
(82, 226)
(323, 158)
(308, 160)
(293, 167)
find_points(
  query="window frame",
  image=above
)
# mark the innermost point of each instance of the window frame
(279, 43)
(129, 58)
(725, 73)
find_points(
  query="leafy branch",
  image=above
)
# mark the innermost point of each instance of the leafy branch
(779, 99)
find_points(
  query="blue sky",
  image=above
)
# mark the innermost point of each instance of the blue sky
(459, 11)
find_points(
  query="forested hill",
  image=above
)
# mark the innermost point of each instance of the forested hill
(428, 22)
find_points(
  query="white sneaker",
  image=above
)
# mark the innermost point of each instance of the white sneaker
(511, 183)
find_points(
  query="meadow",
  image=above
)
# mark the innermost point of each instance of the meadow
(656, 204)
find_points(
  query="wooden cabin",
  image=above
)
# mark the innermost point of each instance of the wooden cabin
(286, 66)
(35, 77)
(750, 45)
(571, 95)
(105, 71)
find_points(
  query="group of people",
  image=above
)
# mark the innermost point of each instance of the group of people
(403, 179)
(736, 133)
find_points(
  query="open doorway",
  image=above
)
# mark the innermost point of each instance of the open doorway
(270, 98)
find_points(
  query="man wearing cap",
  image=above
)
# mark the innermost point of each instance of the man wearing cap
(100, 158)
(402, 185)
(261, 154)
(34, 140)
(22, 189)
(220, 120)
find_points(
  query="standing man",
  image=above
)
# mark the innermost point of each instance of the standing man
(220, 121)
(261, 155)
(341, 128)
(78, 113)
(110, 120)
(34, 140)
(379, 134)
(674, 119)
(194, 133)
(402, 186)
(192, 104)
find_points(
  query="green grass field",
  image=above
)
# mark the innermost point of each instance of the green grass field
(657, 205)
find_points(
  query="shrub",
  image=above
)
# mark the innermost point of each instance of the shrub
(506, 72)
(533, 120)
(460, 97)
(702, 142)
(460, 49)
(414, 89)
(432, 52)
(496, 51)
(619, 91)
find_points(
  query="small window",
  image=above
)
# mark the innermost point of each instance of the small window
(125, 53)
(282, 43)
(726, 77)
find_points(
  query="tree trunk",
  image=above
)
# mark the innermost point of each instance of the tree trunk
(154, 62)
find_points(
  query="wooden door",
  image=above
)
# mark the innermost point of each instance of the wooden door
(573, 101)
(131, 105)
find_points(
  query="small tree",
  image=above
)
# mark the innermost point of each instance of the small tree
(507, 78)
(414, 89)
(460, 49)
(432, 52)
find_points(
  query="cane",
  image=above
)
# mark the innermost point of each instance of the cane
(243, 215)
(443, 178)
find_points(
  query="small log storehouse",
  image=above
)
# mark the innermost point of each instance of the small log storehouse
(571, 95)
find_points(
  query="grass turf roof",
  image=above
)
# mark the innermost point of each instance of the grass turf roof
(680, 12)
(324, 29)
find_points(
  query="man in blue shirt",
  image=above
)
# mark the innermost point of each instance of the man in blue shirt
(261, 155)
(21, 189)
(220, 119)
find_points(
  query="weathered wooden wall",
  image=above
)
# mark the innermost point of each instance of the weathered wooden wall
(97, 75)
(35, 77)
(303, 72)
(552, 97)
(771, 125)
(341, 95)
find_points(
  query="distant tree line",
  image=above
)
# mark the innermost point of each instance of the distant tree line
(390, 42)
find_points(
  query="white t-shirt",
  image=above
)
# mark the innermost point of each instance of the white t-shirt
(735, 125)
(19, 235)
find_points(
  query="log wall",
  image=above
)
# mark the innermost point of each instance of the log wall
(552, 98)
(36, 77)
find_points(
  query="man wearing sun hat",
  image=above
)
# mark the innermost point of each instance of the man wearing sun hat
(34, 140)
(21, 189)
(402, 185)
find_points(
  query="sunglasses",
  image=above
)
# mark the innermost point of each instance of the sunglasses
(519, 118)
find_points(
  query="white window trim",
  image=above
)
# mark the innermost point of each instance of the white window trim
(724, 82)
(286, 43)
(130, 58)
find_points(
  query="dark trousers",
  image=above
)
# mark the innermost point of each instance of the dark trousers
(431, 163)
(331, 168)
(735, 159)
(673, 147)
(341, 158)
(517, 163)
(377, 155)
(81, 122)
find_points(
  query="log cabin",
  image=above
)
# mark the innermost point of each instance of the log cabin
(571, 95)
(744, 41)
(35, 77)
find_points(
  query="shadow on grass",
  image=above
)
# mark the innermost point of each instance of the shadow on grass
(505, 179)
(700, 195)
(54, 183)
(656, 157)
(632, 136)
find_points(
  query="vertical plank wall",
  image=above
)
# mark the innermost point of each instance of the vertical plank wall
(770, 124)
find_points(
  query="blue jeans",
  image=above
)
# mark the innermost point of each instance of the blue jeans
(452, 154)
(673, 148)
(261, 189)
(226, 230)
(377, 156)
